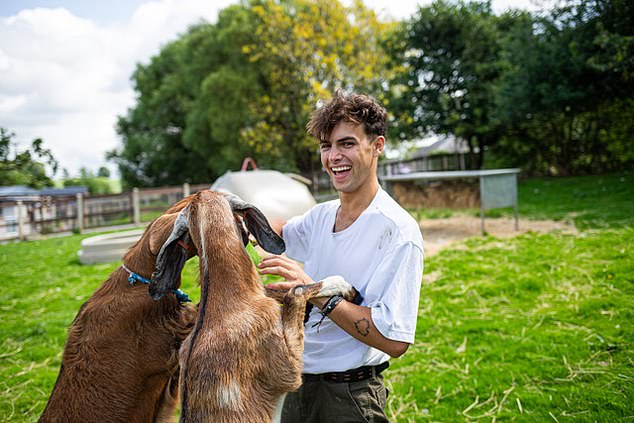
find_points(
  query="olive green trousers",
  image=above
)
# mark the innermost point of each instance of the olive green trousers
(326, 402)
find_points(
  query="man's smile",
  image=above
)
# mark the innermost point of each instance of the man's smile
(339, 169)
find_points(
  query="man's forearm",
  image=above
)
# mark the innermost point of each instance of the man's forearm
(357, 321)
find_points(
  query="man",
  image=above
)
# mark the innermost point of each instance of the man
(375, 245)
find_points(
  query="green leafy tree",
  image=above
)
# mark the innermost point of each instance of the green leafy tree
(26, 167)
(450, 64)
(153, 151)
(96, 184)
(304, 51)
(225, 82)
(245, 86)
(566, 100)
(103, 172)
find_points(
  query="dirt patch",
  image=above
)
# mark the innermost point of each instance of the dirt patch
(441, 233)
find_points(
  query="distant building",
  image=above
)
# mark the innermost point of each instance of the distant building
(19, 193)
(447, 145)
(37, 206)
(438, 153)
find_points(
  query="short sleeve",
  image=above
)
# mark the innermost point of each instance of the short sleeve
(296, 234)
(398, 280)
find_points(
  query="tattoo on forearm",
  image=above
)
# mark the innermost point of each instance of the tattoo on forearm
(362, 326)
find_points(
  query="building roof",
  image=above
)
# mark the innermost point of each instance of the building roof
(61, 192)
(447, 144)
(22, 192)
(18, 192)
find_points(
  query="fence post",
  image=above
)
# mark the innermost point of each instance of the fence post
(186, 190)
(21, 234)
(136, 207)
(80, 211)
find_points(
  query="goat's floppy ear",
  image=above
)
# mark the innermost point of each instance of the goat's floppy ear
(257, 225)
(171, 258)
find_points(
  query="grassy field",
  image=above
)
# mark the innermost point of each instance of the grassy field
(536, 328)
(588, 202)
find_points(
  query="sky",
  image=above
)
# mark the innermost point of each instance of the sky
(65, 65)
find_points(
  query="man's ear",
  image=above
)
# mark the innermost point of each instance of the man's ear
(379, 145)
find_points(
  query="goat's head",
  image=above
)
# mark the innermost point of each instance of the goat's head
(155, 236)
(212, 208)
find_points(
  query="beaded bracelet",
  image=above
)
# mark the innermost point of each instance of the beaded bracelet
(331, 304)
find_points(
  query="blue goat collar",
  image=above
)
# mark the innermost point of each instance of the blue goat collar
(135, 277)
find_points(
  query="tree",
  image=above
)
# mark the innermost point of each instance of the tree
(96, 185)
(245, 86)
(27, 167)
(304, 51)
(153, 153)
(103, 172)
(451, 63)
(566, 99)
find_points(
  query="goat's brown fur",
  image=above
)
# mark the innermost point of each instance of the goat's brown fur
(245, 351)
(120, 363)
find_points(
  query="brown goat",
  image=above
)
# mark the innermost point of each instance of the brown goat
(120, 363)
(245, 352)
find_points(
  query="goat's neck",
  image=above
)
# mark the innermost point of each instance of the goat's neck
(140, 260)
(231, 275)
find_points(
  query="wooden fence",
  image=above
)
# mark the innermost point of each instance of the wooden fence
(48, 215)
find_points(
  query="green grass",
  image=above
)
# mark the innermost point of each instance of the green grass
(587, 202)
(541, 322)
(41, 289)
(536, 328)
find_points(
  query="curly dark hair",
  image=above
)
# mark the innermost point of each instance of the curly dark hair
(355, 108)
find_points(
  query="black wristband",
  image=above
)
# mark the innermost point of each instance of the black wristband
(331, 304)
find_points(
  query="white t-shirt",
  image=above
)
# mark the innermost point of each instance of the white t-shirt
(381, 255)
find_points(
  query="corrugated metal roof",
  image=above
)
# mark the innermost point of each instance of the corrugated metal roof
(56, 192)
(448, 144)
(17, 190)
(22, 192)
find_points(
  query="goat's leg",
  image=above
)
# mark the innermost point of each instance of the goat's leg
(293, 319)
(294, 304)
(332, 285)
(277, 294)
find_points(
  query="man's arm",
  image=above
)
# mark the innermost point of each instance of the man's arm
(355, 320)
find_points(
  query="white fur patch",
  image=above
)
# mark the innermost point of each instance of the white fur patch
(334, 285)
(277, 415)
(229, 396)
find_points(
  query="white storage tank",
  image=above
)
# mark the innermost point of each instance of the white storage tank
(278, 195)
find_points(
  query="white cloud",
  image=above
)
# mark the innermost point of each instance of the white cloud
(66, 79)
(403, 9)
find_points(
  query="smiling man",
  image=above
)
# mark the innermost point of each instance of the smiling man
(375, 245)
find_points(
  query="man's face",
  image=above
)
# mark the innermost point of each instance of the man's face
(350, 157)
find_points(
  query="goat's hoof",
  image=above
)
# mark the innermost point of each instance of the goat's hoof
(298, 290)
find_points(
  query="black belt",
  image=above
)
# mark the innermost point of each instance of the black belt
(354, 375)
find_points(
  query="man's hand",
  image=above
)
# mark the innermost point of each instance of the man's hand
(291, 271)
